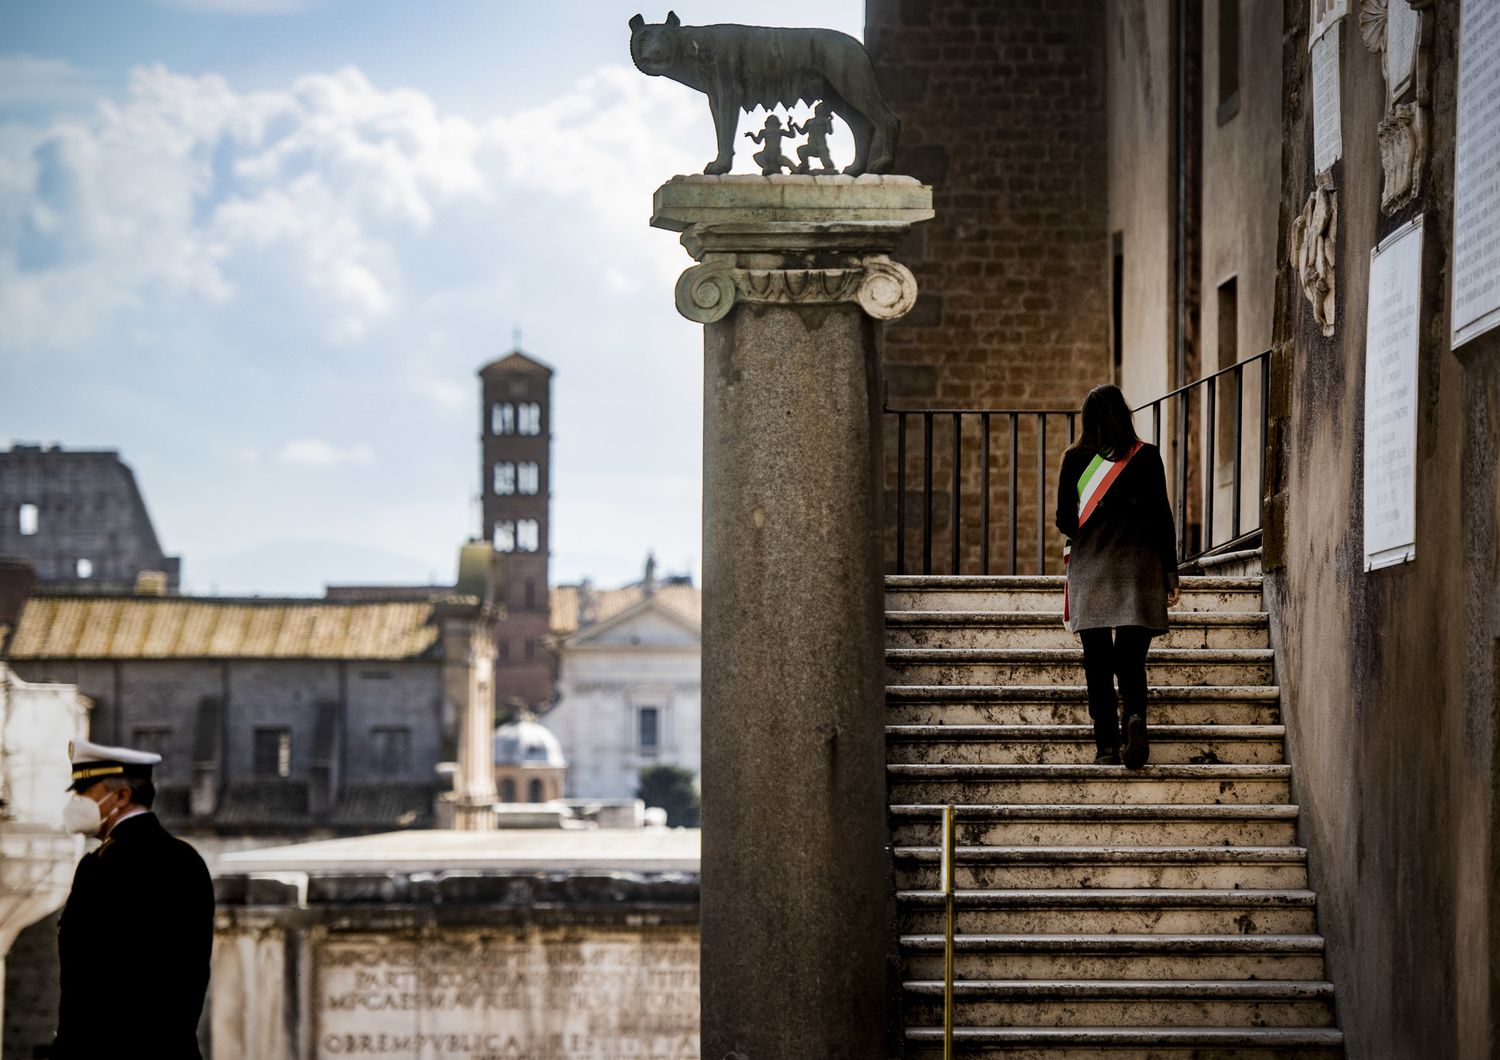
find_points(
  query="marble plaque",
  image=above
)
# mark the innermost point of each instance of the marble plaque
(1328, 140)
(1391, 336)
(1400, 61)
(532, 994)
(1476, 175)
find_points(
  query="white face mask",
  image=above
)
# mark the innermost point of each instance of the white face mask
(81, 814)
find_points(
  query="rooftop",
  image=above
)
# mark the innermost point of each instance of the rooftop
(510, 851)
(176, 627)
(568, 603)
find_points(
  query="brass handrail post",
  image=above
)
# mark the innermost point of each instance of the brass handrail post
(947, 888)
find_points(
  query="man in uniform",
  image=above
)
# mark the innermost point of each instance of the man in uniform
(136, 934)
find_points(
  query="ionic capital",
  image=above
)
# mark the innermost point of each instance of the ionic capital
(883, 288)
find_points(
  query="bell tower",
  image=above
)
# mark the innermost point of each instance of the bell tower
(515, 483)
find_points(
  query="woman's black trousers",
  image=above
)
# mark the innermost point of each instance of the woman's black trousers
(1108, 654)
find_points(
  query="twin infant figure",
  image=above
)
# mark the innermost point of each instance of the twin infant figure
(816, 129)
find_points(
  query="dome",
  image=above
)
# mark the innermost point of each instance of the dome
(525, 742)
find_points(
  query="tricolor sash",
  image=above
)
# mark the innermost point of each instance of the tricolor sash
(1093, 484)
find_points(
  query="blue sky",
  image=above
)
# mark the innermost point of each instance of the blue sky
(262, 246)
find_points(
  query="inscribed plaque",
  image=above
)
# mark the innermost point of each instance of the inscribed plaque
(532, 994)
(1476, 174)
(1391, 334)
(1401, 23)
(1328, 140)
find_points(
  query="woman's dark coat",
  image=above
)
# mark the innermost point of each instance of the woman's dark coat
(1124, 559)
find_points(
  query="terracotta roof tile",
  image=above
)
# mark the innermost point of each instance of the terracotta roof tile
(686, 600)
(105, 627)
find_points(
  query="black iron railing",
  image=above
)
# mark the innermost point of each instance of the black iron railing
(969, 493)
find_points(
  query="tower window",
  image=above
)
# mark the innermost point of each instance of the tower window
(1229, 60)
(27, 520)
(503, 418)
(273, 752)
(391, 749)
(85, 568)
(530, 418)
(505, 478)
(529, 476)
(527, 535)
(648, 722)
(505, 536)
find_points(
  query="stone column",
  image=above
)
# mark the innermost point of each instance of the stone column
(798, 924)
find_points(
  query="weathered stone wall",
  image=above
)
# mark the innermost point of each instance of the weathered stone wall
(1388, 677)
(457, 966)
(31, 989)
(88, 508)
(1002, 110)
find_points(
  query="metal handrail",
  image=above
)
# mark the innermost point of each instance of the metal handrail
(1193, 469)
(946, 883)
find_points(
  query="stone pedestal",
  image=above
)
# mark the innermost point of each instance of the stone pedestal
(797, 906)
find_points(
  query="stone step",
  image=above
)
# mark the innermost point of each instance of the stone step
(1067, 704)
(1033, 666)
(1132, 1043)
(1137, 825)
(1054, 867)
(1043, 629)
(1116, 956)
(1122, 1003)
(914, 592)
(1179, 911)
(1263, 744)
(1077, 784)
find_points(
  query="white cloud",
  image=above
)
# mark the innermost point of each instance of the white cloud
(305, 200)
(318, 453)
(32, 81)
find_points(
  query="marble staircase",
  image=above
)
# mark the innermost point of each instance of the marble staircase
(1100, 912)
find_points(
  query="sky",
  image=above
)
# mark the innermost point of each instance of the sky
(261, 248)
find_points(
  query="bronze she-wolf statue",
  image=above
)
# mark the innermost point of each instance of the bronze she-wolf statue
(745, 66)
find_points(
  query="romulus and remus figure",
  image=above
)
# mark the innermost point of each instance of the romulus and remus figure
(741, 67)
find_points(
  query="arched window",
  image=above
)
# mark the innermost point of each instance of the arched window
(505, 478)
(507, 790)
(534, 790)
(529, 418)
(527, 535)
(528, 477)
(502, 418)
(505, 536)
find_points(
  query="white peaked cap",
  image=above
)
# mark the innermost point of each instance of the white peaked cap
(92, 761)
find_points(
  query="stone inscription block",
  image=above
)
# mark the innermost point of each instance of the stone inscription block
(1476, 175)
(1392, 339)
(533, 994)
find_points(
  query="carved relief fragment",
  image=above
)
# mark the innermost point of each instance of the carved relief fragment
(1403, 149)
(884, 289)
(1312, 249)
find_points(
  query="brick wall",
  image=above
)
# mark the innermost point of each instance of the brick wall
(1002, 109)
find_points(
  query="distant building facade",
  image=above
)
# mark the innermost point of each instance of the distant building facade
(515, 487)
(529, 762)
(629, 686)
(274, 718)
(79, 520)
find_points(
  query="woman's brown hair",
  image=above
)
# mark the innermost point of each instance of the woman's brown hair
(1107, 425)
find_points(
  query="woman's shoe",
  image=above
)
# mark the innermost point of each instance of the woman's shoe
(1137, 752)
(1107, 758)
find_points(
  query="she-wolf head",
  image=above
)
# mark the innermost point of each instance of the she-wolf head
(653, 47)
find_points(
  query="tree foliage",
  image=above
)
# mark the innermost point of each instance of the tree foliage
(674, 789)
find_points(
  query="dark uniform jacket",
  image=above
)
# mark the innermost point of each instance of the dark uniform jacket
(1124, 559)
(134, 943)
